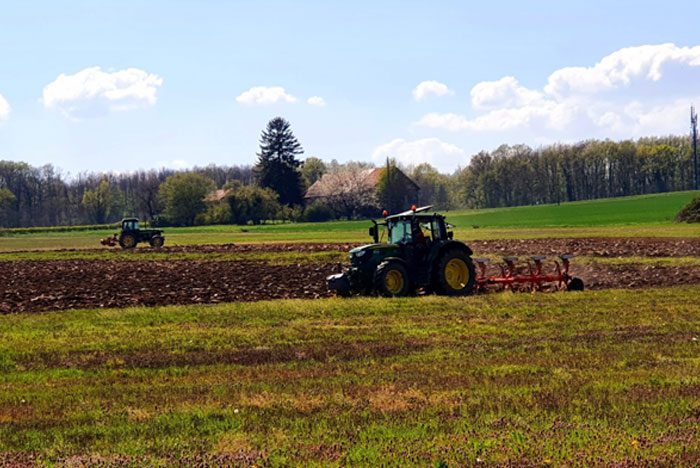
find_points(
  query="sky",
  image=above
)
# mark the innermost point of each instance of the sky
(125, 85)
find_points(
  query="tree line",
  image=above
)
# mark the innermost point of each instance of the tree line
(520, 175)
(273, 188)
(44, 196)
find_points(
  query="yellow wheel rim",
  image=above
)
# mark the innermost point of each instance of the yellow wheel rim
(129, 241)
(394, 281)
(457, 273)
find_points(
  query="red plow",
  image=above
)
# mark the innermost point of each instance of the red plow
(530, 276)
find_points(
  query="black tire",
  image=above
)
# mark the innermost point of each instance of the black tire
(157, 241)
(127, 241)
(455, 275)
(391, 279)
(576, 284)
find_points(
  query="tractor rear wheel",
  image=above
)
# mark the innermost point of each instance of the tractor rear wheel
(391, 279)
(157, 241)
(127, 241)
(455, 274)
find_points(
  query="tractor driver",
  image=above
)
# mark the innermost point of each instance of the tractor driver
(417, 233)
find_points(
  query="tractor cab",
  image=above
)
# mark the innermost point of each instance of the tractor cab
(130, 224)
(412, 227)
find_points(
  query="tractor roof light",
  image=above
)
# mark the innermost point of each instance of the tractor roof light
(385, 213)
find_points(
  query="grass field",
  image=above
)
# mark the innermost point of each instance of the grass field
(558, 378)
(607, 376)
(643, 216)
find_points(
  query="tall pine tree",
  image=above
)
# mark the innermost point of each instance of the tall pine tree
(277, 167)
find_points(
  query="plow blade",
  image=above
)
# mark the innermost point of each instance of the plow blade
(529, 276)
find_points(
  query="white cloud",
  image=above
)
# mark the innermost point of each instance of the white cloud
(621, 68)
(4, 109)
(92, 92)
(316, 101)
(631, 92)
(430, 87)
(444, 156)
(506, 92)
(265, 95)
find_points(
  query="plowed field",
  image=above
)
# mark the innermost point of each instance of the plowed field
(597, 246)
(66, 284)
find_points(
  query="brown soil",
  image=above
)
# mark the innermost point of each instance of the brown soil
(596, 247)
(70, 284)
(600, 247)
(30, 286)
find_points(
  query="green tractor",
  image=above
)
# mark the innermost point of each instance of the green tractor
(131, 234)
(420, 253)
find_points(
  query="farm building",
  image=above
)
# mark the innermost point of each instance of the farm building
(217, 195)
(363, 180)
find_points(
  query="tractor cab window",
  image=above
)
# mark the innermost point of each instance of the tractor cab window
(130, 226)
(400, 231)
(435, 228)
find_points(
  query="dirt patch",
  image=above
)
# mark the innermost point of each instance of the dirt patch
(31, 286)
(596, 247)
(70, 284)
(634, 275)
(155, 359)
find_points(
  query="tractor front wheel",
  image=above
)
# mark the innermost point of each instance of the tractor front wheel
(391, 279)
(127, 241)
(455, 274)
(157, 241)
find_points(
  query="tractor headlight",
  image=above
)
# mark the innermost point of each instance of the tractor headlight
(360, 253)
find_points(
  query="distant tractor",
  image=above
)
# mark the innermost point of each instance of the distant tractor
(420, 253)
(131, 234)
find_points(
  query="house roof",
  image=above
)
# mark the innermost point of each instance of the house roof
(217, 195)
(321, 187)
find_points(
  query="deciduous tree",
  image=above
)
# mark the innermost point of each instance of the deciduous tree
(101, 202)
(250, 203)
(312, 170)
(183, 197)
(7, 200)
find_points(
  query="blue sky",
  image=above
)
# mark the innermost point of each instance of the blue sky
(180, 83)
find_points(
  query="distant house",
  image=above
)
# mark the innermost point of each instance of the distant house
(217, 195)
(331, 185)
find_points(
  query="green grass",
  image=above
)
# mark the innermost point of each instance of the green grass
(279, 258)
(585, 378)
(644, 209)
(642, 216)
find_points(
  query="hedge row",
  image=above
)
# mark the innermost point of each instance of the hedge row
(49, 229)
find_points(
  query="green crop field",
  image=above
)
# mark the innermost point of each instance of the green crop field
(581, 378)
(644, 216)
